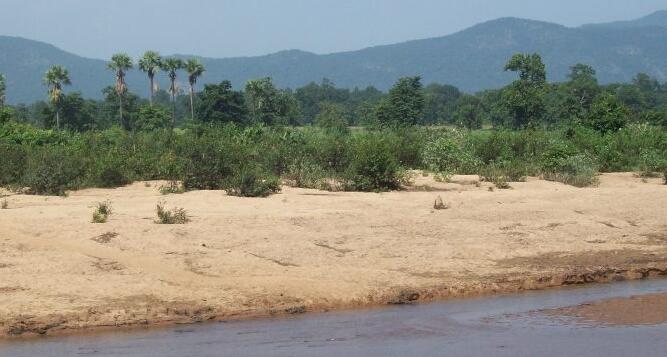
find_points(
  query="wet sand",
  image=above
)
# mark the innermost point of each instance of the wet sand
(307, 250)
(629, 311)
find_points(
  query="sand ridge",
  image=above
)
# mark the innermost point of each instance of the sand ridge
(304, 250)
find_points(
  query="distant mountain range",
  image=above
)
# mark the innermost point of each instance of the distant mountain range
(472, 59)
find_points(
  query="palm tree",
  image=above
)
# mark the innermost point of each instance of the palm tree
(171, 66)
(120, 63)
(3, 87)
(195, 69)
(150, 63)
(55, 78)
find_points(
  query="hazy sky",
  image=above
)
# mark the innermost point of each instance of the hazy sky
(224, 28)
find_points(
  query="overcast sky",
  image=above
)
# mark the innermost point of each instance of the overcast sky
(225, 28)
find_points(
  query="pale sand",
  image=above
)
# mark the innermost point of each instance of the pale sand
(307, 250)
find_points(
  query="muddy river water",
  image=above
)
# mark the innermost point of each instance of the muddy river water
(525, 324)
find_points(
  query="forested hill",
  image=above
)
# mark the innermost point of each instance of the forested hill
(472, 59)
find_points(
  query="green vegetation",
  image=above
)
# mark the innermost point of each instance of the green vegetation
(55, 78)
(102, 212)
(173, 216)
(249, 142)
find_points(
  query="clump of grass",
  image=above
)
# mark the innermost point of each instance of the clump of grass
(174, 187)
(173, 216)
(102, 212)
(4, 204)
(498, 178)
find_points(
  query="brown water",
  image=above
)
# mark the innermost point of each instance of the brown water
(510, 325)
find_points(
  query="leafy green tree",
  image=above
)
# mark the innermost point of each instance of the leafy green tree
(331, 116)
(607, 114)
(171, 66)
(524, 98)
(493, 108)
(571, 100)
(221, 104)
(120, 64)
(76, 113)
(268, 105)
(311, 95)
(440, 103)
(195, 69)
(468, 114)
(405, 104)
(583, 87)
(55, 78)
(150, 118)
(150, 63)
(108, 109)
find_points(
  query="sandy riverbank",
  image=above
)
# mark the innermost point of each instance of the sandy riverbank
(306, 250)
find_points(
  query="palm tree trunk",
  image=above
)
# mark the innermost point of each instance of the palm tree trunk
(192, 102)
(173, 104)
(120, 108)
(57, 119)
(150, 98)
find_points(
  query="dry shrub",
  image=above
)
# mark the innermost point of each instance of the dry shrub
(173, 216)
(102, 212)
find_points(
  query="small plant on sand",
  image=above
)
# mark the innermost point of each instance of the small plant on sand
(4, 204)
(102, 212)
(497, 177)
(173, 216)
(440, 204)
(172, 187)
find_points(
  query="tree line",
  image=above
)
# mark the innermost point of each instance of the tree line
(529, 101)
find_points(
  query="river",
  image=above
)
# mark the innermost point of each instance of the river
(507, 325)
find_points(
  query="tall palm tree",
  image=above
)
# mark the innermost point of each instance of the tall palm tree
(55, 78)
(120, 63)
(150, 63)
(3, 87)
(171, 66)
(195, 69)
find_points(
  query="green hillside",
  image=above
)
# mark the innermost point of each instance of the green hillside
(471, 59)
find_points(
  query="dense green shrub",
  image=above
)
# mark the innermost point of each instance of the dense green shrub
(652, 163)
(151, 118)
(13, 163)
(52, 170)
(407, 145)
(209, 160)
(578, 170)
(444, 154)
(372, 167)
(251, 182)
(509, 171)
(307, 174)
(250, 160)
(607, 114)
